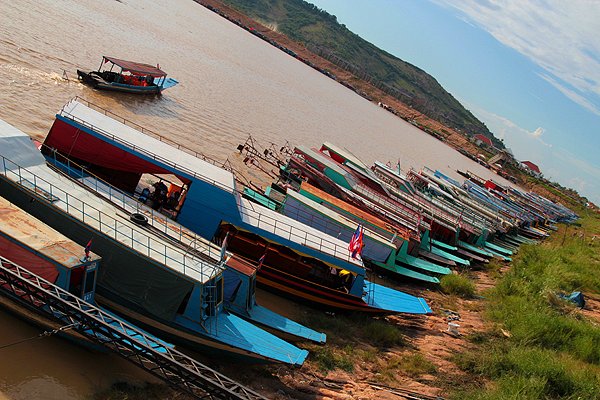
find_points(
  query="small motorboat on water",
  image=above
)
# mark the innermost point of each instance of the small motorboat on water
(130, 77)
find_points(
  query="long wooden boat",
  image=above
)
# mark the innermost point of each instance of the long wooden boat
(294, 258)
(364, 190)
(129, 77)
(145, 278)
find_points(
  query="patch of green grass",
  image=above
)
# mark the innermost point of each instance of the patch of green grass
(414, 365)
(481, 337)
(459, 285)
(327, 359)
(553, 351)
(338, 327)
(535, 373)
(367, 355)
(382, 334)
(342, 329)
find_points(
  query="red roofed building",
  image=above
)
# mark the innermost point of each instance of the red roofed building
(532, 167)
(482, 140)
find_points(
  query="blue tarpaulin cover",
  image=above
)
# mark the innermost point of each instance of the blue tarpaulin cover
(575, 297)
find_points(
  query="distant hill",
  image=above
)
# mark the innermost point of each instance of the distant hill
(320, 32)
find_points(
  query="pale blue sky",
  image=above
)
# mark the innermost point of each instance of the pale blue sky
(530, 70)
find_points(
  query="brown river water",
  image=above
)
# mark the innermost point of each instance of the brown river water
(232, 84)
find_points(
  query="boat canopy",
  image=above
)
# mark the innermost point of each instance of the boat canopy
(135, 67)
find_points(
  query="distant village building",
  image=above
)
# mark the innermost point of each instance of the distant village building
(482, 141)
(532, 168)
(502, 157)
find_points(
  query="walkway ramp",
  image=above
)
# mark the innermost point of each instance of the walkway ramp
(129, 342)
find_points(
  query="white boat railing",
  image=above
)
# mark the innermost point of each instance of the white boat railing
(131, 205)
(293, 233)
(147, 132)
(108, 225)
(154, 156)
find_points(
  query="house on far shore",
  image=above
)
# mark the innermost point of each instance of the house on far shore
(482, 141)
(531, 168)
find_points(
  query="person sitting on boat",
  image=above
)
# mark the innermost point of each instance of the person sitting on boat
(159, 196)
(147, 81)
(144, 196)
(172, 201)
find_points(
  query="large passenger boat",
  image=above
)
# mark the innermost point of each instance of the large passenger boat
(145, 277)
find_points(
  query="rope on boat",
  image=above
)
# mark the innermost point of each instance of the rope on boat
(40, 336)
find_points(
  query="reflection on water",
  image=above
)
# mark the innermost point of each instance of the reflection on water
(231, 85)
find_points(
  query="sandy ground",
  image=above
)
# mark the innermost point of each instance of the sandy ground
(427, 336)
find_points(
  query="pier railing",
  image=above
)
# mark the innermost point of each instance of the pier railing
(129, 342)
(108, 225)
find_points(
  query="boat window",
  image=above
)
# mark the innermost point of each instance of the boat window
(90, 279)
(219, 291)
(76, 281)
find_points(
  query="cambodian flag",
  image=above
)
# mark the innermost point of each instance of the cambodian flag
(224, 247)
(88, 248)
(356, 243)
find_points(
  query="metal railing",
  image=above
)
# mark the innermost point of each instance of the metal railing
(130, 204)
(386, 202)
(106, 224)
(178, 232)
(294, 233)
(126, 340)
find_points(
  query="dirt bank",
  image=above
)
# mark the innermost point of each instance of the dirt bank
(448, 135)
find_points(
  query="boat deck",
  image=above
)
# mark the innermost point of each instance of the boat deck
(24, 228)
(22, 163)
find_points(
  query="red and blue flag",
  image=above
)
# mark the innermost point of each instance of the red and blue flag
(356, 243)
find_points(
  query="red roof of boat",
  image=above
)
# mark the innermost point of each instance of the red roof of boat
(136, 68)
